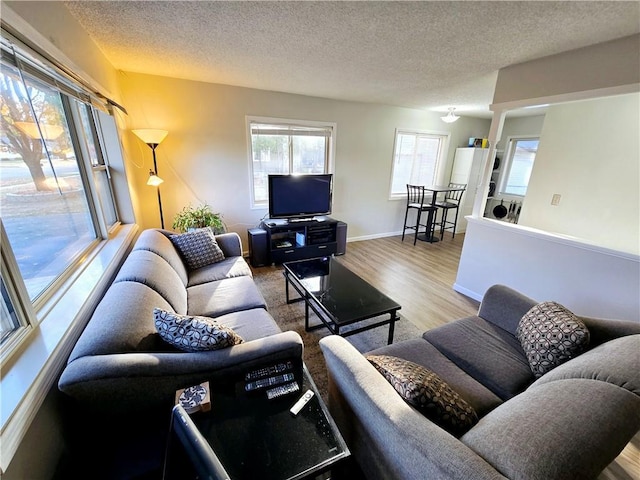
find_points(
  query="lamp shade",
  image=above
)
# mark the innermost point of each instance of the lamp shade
(154, 180)
(151, 136)
(450, 117)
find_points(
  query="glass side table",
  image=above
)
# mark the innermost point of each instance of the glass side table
(253, 437)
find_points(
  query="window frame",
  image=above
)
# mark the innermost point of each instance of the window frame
(291, 123)
(440, 163)
(32, 311)
(505, 171)
(38, 354)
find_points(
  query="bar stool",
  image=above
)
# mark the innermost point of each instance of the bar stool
(415, 201)
(451, 202)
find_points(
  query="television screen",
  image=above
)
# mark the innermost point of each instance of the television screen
(294, 196)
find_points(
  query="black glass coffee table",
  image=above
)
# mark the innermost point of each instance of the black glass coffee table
(338, 296)
(247, 436)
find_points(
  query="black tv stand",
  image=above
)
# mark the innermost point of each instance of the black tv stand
(303, 238)
(300, 220)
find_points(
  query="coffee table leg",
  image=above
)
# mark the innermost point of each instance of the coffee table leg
(392, 325)
(306, 314)
(286, 287)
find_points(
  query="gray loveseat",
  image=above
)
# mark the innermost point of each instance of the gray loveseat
(568, 424)
(120, 364)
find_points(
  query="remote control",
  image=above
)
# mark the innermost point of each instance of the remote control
(299, 405)
(267, 371)
(282, 390)
(268, 382)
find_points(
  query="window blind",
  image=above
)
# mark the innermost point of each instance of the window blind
(262, 129)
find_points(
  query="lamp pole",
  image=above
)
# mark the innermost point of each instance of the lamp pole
(155, 172)
(152, 137)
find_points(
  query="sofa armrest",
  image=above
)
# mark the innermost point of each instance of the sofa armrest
(504, 307)
(388, 438)
(230, 243)
(603, 330)
(140, 381)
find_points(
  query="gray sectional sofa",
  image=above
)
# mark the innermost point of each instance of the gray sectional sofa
(121, 365)
(568, 424)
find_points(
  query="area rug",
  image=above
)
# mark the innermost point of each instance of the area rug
(270, 281)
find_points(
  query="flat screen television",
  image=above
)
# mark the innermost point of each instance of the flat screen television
(300, 196)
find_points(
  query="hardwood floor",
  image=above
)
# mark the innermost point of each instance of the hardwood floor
(420, 277)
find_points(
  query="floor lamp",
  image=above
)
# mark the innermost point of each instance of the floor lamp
(153, 138)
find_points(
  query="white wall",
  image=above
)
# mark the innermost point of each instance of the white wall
(590, 281)
(590, 154)
(592, 68)
(205, 156)
(518, 126)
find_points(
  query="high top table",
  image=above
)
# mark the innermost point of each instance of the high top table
(435, 189)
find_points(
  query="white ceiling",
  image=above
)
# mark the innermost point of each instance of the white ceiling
(424, 54)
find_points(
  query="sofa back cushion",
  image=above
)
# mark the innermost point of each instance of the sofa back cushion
(123, 322)
(486, 352)
(504, 307)
(157, 242)
(146, 267)
(563, 430)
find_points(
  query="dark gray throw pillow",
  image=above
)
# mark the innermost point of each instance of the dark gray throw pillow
(193, 333)
(551, 335)
(427, 392)
(198, 248)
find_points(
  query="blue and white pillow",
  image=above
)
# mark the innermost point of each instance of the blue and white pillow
(193, 333)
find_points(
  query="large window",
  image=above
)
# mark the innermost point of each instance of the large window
(280, 147)
(521, 154)
(416, 158)
(56, 198)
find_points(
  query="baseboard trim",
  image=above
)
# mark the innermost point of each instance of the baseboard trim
(467, 293)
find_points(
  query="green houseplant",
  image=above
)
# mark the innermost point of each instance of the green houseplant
(198, 217)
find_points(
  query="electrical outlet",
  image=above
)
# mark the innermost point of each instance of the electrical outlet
(555, 200)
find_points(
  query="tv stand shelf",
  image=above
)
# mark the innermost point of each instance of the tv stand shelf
(302, 239)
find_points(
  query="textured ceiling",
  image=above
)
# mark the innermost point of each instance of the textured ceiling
(428, 55)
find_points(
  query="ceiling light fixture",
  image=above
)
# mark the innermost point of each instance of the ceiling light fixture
(450, 117)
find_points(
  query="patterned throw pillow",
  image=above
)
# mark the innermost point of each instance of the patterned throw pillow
(426, 391)
(192, 333)
(198, 247)
(550, 335)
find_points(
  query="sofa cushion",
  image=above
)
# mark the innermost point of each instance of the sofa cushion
(251, 324)
(228, 268)
(146, 267)
(229, 295)
(488, 353)
(123, 323)
(157, 241)
(504, 307)
(419, 351)
(427, 392)
(616, 362)
(562, 430)
(193, 333)
(198, 247)
(550, 335)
